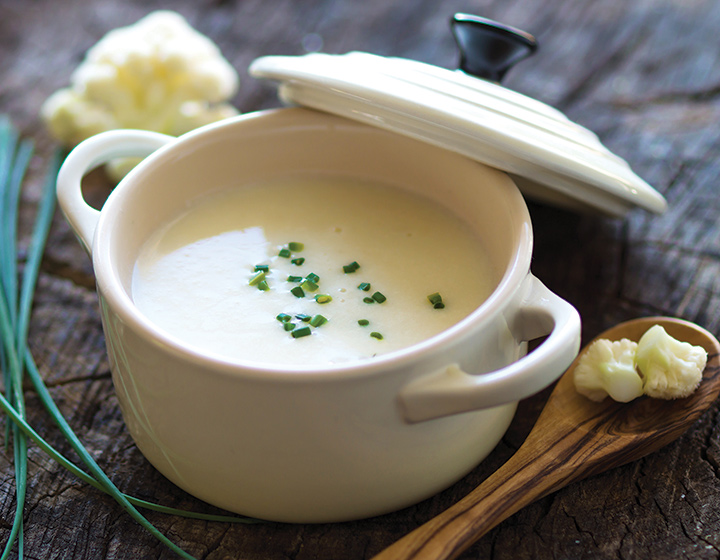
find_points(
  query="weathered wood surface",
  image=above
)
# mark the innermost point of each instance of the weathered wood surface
(644, 75)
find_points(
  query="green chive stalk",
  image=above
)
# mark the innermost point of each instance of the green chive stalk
(15, 159)
(16, 359)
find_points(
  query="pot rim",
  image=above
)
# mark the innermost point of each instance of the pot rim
(110, 288)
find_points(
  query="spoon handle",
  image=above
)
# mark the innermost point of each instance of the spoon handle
(573, 438)
(525, 477)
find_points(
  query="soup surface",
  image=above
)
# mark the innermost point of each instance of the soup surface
(310, 272)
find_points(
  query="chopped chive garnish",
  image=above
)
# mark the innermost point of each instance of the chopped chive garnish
(262, 268)
(297, 291)
(283, 317)
(377, 296)
(323, 298)
(309, 285)
(377, 335)
(304, 318)
(313, 277)
(302, 331)
(363, 322)
(364, 286)
(318, 320)
(259, 277)
(295, 246)
(298, 261)
(435, 298)
(288, 326)
(439, 305)
(284, 252)
(352, 267)
(263, 286)
(294, 278)
(368, 300)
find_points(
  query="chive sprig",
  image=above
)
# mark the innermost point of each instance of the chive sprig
(15, 306)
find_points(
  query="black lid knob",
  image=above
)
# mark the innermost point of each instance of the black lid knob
(487, 48)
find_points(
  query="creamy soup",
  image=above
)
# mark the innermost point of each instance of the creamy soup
(310, 272)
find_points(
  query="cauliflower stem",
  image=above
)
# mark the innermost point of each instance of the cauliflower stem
(608, 368)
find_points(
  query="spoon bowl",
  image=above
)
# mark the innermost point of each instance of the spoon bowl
(573, 438)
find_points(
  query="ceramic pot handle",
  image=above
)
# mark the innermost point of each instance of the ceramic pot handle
(451, 390)
(90, 153)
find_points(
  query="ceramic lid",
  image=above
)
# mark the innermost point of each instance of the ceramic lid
(550, 157)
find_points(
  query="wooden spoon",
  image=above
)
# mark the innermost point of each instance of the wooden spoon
(573, 438)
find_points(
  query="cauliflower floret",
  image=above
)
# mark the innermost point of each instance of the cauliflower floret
(608, 368)
(158, 74)
(671, 369)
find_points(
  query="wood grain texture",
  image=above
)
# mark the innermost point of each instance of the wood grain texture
(644, 75)
(572, 439)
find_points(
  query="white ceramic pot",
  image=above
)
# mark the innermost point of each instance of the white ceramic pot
(330, 443)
